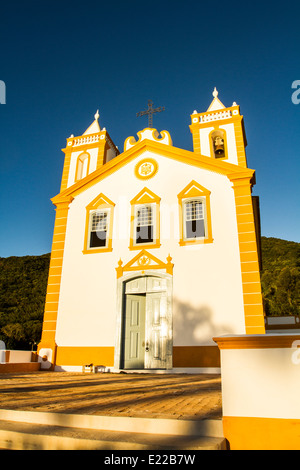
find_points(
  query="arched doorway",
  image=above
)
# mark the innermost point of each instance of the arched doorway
(146, 323)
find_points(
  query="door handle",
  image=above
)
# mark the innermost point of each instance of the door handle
(147, 346)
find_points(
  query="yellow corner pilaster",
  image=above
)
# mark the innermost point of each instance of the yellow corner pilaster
(54, 277)
(253, 304)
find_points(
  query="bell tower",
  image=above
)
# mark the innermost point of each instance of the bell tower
(219, 132)
(86, 153)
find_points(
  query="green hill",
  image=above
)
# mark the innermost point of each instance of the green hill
(280, 277)
(23, 283)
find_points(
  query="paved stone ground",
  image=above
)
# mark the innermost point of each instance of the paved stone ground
(177, 396)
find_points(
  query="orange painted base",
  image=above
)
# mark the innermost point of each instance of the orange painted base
(12, 367)
(245, 433)
(183, 356)
(79, 356)
(196, 356)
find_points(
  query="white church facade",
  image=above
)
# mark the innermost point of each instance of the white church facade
(155, 249)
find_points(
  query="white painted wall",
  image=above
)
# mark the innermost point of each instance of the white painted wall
(207, 285)
(261, 383)
(231, 143)
(204, 141)
(19, 357)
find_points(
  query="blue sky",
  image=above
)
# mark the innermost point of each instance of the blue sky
(63, 60)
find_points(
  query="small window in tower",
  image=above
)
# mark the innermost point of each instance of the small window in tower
(144, 224)
(194, 219)
(99, 227)
(82, 166)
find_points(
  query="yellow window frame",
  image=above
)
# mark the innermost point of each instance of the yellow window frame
(101, 202)
(145, 197)
(195, 191)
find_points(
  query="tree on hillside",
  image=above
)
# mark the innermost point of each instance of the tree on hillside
(281, 293)
(23, 283)
(280, 277)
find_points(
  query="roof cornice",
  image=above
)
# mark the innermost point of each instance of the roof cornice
(185, 156)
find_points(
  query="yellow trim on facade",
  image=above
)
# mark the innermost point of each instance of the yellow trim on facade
(253, 304)
(195, 190)
(165, 136)
(145, 196)
(52, 296)
(147, 172)
(196, 142)
(48, 339)
(51, 325)
(78, 356)
(241, 142)
(49, 316)
(100, 202)
(233, 113)
(85, 141)
(183, 356)
(55, 269)
(66, 169)
(144, 261)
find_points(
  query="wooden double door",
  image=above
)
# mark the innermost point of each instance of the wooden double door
(147, 325)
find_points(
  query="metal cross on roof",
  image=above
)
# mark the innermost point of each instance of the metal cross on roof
(150, 111)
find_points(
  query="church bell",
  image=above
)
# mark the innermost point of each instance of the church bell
(219, 147)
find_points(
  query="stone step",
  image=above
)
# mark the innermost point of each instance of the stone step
(25, 436)
(20, 430)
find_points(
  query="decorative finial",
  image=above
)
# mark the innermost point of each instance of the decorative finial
(215, 93)
(97, 115)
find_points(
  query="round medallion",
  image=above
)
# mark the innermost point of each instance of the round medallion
(146, 168)
(144, 260)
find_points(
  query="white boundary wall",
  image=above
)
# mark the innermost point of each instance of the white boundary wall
(260, 390)
(16, 357)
